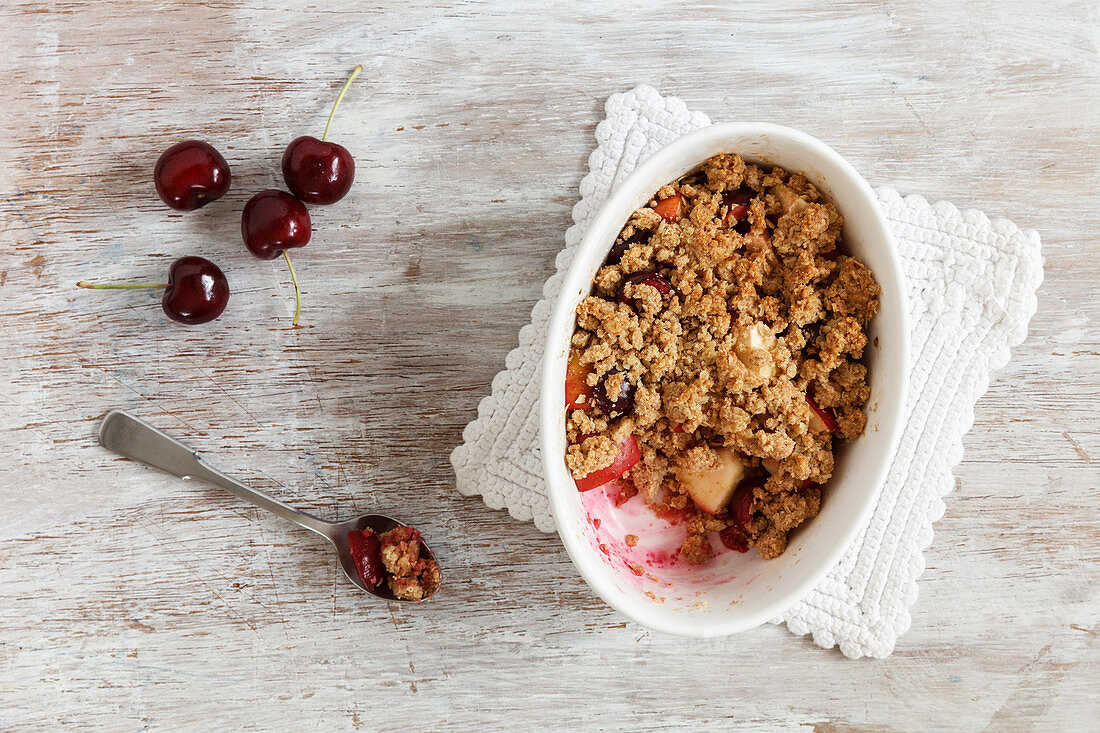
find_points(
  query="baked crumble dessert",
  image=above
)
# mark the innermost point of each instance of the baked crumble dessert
(395, 556)
(716, 363)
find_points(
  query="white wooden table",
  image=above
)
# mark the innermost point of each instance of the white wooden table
(131, 600)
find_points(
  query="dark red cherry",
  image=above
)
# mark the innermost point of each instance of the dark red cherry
(743, 503)
(191, 174)
(736, 536)
(740, 197)
(316, 171)
(273, 221)
(734, 539)
(656, 280)
(197, 291)
(620, 406)
(738, 204)
(366, 550)
(615, 254)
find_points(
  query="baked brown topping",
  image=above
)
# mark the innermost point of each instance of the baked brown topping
(724, 335)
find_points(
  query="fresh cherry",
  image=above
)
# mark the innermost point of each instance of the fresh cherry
(196, 291)
(273, 221)
(317, 171)
(653, 279)
(190, 175)
(619, 406)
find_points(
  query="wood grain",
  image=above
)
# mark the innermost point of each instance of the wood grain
(131, 600)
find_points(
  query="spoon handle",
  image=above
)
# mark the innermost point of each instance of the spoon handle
(128, 436)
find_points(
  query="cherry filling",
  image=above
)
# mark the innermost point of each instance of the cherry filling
(367, 553)
(738, 203)
(615, 254)
(653, 279)
(621, 405)
(736, 536)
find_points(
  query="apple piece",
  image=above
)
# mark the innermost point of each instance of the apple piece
(789, 200)
(712, 489)
(669, 208)
(627, 454)
(736, 214)
(754, 348)
(823, 420)
(578, 393)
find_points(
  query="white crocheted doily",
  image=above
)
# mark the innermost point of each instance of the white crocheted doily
(972, 286)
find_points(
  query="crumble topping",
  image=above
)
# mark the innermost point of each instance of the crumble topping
(724, 333)
(410, 576)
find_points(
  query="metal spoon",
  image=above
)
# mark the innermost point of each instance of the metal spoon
(126, 435)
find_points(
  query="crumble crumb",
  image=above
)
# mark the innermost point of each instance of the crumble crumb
(410, 576)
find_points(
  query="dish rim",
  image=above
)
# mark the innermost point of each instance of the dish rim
(604, 225)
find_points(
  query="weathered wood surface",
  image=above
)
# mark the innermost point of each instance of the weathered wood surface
(129, 599)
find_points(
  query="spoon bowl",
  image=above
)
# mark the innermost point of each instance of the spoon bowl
(133, 438)
(377, 523)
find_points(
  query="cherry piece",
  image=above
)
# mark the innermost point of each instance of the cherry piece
(273, 221)
(190, 175)
(615, 254)
(734, 539)
(738, 203)
(743, 503)
(656, 280)
(619, 406)
(317, 171)
(196, 291)
(367, 553)
(740, 197)
(823, 419)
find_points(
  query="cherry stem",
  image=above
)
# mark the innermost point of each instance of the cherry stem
(297, 293)
(343, 91)
(120, 286)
